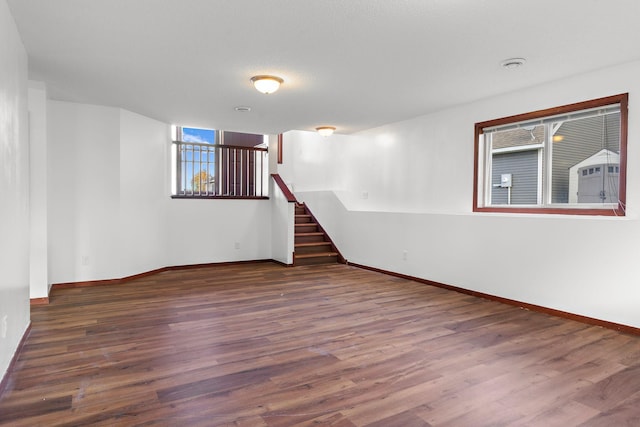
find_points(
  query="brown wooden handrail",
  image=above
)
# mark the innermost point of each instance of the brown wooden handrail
(283, 187)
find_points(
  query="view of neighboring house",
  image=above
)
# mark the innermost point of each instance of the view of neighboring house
(517, 153)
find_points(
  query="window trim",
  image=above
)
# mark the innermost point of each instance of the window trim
(479, 175)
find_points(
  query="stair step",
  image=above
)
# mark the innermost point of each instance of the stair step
(307, 244)
(309, 237)
(316, 255)
(303, 219)
(317, 258)
(312, 247)
(308, 227)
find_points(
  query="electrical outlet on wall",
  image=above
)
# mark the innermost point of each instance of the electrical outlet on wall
(85, 260)
(237, 245)
(404, 255)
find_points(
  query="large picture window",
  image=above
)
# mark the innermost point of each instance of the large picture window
(565, 160)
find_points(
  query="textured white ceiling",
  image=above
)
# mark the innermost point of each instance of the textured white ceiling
(354, 64)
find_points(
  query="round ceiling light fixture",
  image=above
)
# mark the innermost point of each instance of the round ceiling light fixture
(513, 63)
(326, 130)
(266, 84)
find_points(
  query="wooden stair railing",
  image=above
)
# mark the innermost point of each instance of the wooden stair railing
(283, 187)
(312, 244)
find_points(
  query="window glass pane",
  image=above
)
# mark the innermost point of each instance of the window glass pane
(197, 162)
(207, 136)
(591, 144)
(516, 176)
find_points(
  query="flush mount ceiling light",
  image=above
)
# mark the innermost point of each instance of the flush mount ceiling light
(325, 130)
(266, 84)
(513, 63)
(243, 109)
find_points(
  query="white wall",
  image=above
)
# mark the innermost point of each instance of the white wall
(282, 225)
(210, 231)
(14, 190)
(110, 213)
(83, 192)
(38, 263)
(419, 178)
(144, 190)
(309, 160)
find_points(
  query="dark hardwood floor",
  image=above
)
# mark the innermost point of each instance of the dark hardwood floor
(264, 345)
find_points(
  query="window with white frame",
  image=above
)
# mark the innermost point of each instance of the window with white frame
(566, 160)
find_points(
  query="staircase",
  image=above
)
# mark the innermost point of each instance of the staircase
(312, 245)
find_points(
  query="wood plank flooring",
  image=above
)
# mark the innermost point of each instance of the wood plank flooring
(263, 345)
